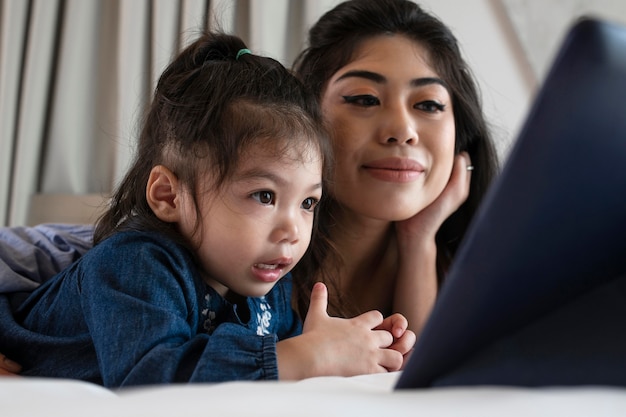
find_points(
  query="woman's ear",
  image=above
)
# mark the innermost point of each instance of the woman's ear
(163, 193)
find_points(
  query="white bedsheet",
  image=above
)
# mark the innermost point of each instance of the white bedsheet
(368, 395)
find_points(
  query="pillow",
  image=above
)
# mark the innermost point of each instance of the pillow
(31, 255)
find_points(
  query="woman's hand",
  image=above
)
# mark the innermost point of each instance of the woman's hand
(428, 221)
(416, 284)
(8, 367)
(340, 347)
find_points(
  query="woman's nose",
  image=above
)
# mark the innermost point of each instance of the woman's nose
(400, 128)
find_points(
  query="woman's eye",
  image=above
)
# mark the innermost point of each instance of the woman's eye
(310, 203)
(430, 106)
(264, 197)
(364, 100)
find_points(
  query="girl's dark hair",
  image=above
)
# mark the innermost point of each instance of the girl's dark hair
(211, 105)
(333, 41)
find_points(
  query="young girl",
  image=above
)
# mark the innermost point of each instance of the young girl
(188, 279)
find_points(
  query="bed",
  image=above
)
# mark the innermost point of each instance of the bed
(367, 395)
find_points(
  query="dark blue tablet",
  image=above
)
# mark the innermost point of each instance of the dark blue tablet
(536, 295)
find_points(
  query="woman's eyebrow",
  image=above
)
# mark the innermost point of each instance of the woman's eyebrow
(380, 79)
(368, 75)
(420, 82)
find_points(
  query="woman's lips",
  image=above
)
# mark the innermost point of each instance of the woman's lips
(394, 169)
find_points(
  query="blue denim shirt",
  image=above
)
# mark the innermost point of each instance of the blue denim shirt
(134, 310)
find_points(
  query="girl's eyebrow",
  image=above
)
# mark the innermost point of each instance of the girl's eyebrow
(259, 173)
(256, 174)
(380, 79)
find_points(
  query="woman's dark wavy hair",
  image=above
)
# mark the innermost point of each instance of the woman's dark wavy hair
(209, 108)
(332, 43)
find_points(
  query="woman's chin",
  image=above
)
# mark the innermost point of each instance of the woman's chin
(397, 214)
(388, 211)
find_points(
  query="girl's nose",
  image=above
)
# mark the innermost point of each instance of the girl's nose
(286, 231)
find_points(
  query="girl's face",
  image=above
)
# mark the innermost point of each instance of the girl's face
(259, 225)
(393, 130)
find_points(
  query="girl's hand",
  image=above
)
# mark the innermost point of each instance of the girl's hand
(403, 338)
(428, 221)
(336, 346)
(8, 367)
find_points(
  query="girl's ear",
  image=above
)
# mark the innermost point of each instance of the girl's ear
(163, 193)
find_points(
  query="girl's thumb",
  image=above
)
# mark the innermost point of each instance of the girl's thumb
(319, 299)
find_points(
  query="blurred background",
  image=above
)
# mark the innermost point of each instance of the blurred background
(75, 76)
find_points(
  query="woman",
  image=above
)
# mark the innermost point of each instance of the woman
(408, 129)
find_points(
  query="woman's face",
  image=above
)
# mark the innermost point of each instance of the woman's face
(393, 130)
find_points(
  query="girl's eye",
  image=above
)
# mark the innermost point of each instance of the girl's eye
(310, 203)
(264, 197)
(430, 106)
(363, 100)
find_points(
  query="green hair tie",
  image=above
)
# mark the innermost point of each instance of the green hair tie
(242, 52)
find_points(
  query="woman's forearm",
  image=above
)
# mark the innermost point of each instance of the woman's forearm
(416, 284)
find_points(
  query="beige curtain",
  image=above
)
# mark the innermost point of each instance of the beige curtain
(75, 76)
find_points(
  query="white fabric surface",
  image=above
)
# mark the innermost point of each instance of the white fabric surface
(368, 395)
